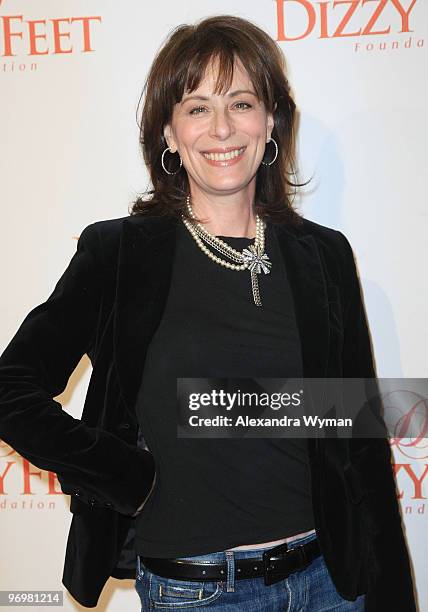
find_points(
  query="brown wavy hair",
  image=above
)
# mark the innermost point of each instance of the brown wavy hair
(179, 67)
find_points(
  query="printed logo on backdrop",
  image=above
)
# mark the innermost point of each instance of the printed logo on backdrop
(27, 42)
(410, 449)
(25, 487)
(368, 25)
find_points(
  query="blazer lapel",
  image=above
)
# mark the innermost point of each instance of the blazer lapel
(144, 272)
(308, 287)
(146, 254)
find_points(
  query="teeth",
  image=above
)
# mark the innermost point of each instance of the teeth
(224, 156)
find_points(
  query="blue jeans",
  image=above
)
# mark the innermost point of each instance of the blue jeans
(310, 590)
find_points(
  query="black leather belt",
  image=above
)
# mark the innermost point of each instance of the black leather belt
(276, 564)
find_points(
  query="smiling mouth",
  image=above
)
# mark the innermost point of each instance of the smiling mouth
(224, 156)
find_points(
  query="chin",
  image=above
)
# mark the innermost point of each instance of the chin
(229, 183)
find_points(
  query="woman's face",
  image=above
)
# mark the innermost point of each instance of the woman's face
(204, 123)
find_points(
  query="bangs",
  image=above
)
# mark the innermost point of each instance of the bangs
(195, 66)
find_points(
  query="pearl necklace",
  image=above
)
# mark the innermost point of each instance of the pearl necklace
(252, 258)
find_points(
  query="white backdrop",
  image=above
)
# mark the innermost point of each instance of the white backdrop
(70, 77)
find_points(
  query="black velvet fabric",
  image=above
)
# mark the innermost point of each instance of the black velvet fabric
(108, 304)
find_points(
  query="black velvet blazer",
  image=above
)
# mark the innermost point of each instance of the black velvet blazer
(107, 304)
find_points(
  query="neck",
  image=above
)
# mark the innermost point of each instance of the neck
(235, 219)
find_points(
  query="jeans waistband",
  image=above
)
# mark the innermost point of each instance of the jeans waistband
(230, 556)
(221, 555)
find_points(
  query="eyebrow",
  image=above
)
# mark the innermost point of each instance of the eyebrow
(237, 92)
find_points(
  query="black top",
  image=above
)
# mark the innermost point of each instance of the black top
(214, 494)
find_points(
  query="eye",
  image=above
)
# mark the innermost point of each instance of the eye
(192, 112)
(246, 104)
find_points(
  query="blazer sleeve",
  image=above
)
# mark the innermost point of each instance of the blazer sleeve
(358, 362)
(357, 357)
(35, 368)
(372, 457)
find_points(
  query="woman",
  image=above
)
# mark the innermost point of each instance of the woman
(214, 276)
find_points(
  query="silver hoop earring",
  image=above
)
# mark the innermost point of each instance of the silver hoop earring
(163, 164)
(276, 152)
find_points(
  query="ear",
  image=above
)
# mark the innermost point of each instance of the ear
(270, 123)
(167, 132)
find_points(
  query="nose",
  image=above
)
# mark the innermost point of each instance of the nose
(221, 126)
